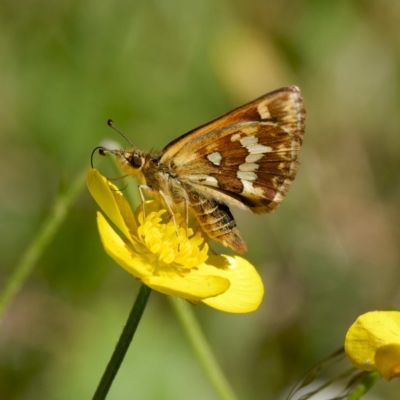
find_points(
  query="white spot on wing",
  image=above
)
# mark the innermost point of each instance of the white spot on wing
(203, 178)
(248, 141)
(248, 176)
(259, 148)
(248, 167)
(251, 158)
(235, 137)
(211, 181)
(215, 158)
(199, 177)
(248, 188)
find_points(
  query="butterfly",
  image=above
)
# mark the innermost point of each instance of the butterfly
(247, 158)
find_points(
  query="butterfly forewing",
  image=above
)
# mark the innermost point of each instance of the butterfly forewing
(251, 161)
(285, 103)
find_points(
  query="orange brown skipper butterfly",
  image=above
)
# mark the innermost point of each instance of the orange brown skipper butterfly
(247, 157)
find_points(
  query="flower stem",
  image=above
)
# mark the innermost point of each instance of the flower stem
(204, 353)
(365, 385)
(123, 343)
(65, 198)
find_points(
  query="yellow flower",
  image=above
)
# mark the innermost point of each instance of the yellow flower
(373, 343)
(153, 252)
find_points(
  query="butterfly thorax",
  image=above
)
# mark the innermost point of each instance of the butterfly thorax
(150, 172)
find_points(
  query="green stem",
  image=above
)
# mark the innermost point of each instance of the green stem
(65, 199)
(202, 349)
(365, 385)
(123, 343)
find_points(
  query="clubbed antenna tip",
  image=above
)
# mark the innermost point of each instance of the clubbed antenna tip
(110, 123)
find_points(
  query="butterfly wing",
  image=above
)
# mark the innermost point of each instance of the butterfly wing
(248, 156)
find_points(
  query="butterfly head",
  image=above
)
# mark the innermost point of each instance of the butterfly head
(130, 161)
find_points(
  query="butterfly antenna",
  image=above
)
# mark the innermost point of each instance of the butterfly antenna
(111, 124)
(102, 151)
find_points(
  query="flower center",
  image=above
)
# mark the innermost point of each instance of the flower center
(166, 247)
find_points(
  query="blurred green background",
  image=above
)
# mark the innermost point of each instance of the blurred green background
(158, 69)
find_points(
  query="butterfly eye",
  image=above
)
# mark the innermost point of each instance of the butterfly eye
(136, 162)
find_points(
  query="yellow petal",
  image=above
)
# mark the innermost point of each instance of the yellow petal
(370, 332)
(118, 250)
(125, 210)
(387, 359)
(190, 287)
(246, 291)
(112, 202)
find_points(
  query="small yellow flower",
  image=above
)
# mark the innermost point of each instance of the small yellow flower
(153, 252)
(373, 343)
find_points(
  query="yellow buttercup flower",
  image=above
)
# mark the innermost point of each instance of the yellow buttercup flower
(164, 258)
(373, 343)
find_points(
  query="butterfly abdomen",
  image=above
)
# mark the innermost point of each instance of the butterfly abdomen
(216, 220)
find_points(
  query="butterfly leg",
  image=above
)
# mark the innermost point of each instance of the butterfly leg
(170, 212)
(185, 201)
(142, 199)
(207, 240)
